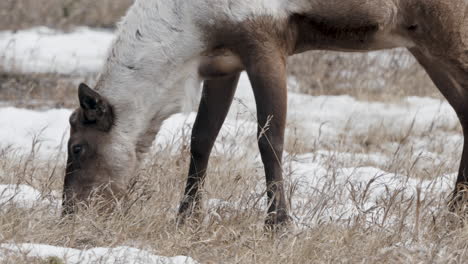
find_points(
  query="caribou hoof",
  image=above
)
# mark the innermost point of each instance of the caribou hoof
(277, 220)
(188, 210)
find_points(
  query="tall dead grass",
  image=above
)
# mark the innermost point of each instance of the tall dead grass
(38, 90)
(382, 75)
(414, 230)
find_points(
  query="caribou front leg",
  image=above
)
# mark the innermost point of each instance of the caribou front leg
(267, 74)
(214, 105)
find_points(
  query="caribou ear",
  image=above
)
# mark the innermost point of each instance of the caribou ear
(96, 110)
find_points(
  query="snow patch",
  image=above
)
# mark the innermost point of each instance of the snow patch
(41, 132)
(42, 50)
(95, 255)
(23, 196)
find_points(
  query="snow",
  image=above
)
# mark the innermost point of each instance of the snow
(24, 196)
(44, 50)
(325, 118)
(369, 183)
(95, 255)
(45, 130)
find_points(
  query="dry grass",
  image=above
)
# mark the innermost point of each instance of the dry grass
(39, 90)
(415, 230)
(368, 76)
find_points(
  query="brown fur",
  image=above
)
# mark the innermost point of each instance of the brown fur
(436, 32)
(89, 126)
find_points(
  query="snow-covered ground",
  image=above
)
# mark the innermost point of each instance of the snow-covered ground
(95, 255)
(24, 196)
(45, 50)
(326, 119)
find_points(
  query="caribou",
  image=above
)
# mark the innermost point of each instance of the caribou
(165, 50)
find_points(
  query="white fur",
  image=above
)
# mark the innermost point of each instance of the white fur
(165, 57)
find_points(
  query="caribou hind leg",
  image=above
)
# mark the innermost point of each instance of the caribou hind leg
(451, 78)
(214, 105)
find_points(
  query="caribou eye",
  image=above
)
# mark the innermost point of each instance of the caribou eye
(413, 27)
(77, 149)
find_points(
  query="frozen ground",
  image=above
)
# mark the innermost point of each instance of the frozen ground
(361, 139)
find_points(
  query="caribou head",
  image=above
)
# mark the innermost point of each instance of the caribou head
(95, 156)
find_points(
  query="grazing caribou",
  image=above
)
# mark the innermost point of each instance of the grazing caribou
(165, 48)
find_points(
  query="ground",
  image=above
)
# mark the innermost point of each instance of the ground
(369, 166)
